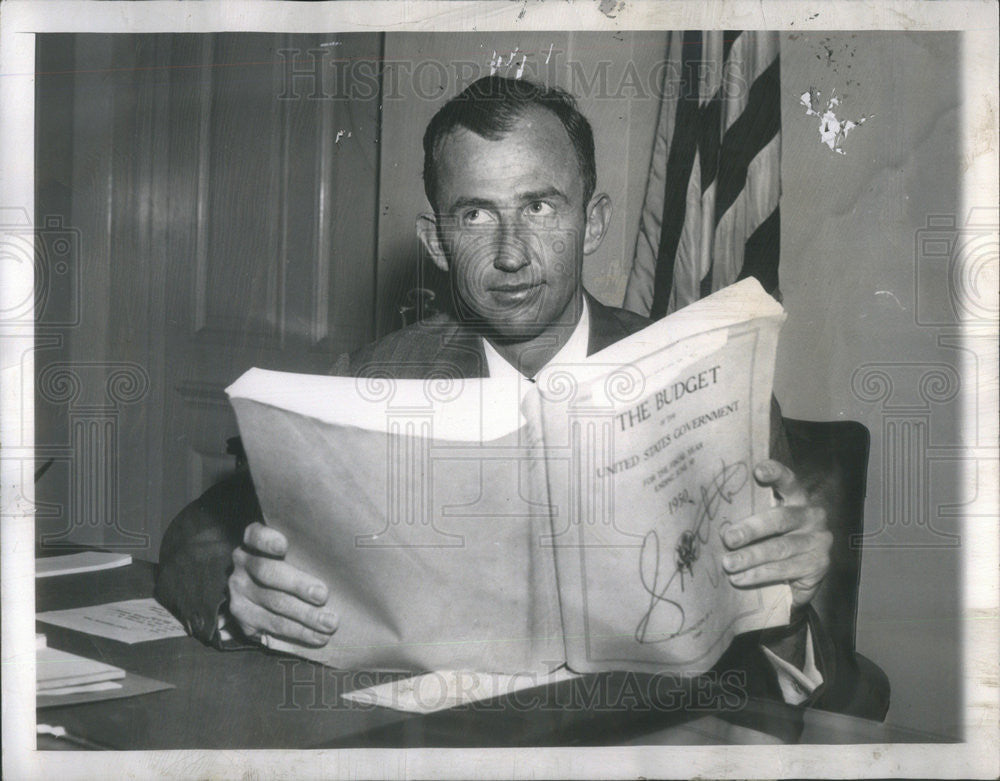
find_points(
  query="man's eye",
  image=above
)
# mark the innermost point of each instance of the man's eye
(476, 217)
(540, 209)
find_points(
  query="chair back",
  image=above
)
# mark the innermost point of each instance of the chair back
(832, 459)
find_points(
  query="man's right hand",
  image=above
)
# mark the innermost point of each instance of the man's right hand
(267, 595)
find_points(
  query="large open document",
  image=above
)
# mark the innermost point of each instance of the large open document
(471, 524)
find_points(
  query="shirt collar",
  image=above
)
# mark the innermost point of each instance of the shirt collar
(574, 351)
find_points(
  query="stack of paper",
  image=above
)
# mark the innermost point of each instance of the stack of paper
(74, 563)
(60, 672)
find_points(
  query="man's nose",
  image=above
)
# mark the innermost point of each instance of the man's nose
(512, 251)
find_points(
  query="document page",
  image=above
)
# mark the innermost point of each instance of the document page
(417, 508)
(131, 621)
(653, 456)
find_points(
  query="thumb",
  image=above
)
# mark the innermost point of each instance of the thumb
(265, 539)
(782, 480)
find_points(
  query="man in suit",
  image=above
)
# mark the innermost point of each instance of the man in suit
(510, 173)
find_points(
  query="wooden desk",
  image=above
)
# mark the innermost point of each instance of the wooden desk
(258, 699)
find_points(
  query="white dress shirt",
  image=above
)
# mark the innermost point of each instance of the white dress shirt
(574, 351)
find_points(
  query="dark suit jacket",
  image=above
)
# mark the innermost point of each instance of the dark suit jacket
(195, 556)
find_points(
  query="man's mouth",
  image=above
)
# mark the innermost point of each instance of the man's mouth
(510, 294)
(516, 287)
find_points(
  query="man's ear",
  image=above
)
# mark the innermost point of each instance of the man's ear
(598, 220)
(427, 231)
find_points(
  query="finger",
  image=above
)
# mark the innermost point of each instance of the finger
(775, 520)
(254, 619)
(279, 575)
(242, 610)
(782, 480)
(263, 538)
(803, 572)
(280, 603)
(244, 593)
(775, 549)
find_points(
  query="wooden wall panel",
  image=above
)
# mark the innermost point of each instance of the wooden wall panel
(223, 225)
(240, 272)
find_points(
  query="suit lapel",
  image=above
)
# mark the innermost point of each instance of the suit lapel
(605, 328)
(462, 354)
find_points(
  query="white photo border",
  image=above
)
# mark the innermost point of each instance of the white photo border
(976, 756)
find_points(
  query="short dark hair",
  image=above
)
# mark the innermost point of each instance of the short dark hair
(491, 106)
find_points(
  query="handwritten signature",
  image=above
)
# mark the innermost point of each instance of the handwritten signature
(719, 491)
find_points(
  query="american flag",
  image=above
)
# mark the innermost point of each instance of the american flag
(710, 215)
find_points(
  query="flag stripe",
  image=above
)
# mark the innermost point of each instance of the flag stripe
(711, 115)
(728, 39)
(751, 57)
(692, 252)
(708, 139)
(753, 205)
(748, 135)
(639, 290)
(743, 141)
(680, 161)
(709, 74)
(761, 253)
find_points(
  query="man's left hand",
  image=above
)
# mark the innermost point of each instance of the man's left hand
(788, 543)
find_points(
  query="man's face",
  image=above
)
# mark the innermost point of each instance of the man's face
(511, 226)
